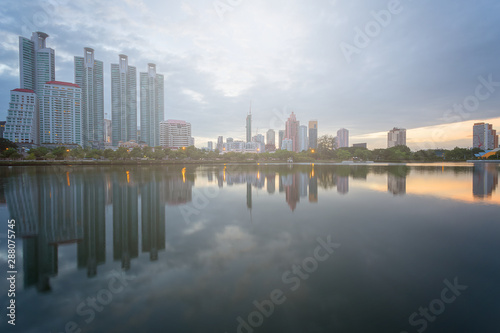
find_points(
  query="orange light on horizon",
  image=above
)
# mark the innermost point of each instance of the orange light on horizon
(128, 176)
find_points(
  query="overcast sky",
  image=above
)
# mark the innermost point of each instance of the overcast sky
(407, 70)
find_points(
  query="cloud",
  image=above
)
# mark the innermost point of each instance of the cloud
(279, 53)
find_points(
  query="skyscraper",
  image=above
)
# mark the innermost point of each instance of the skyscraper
(313, 134)
(292, 131)
(281, 136)
(123, 101)
(36, 62)
(152, 105)
(249, 126)
(271, 137)
(484, 136)
(343, 138)
(60, 113)
(303, 141)
(36, 66)
(89, 76)
(22, 118)
(396, 137)
(220, 143)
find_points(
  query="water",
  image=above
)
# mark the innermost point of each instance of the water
(262, 248)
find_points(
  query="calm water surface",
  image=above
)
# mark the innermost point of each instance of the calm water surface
(263, 248)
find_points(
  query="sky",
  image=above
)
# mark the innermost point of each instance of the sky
(432, 67)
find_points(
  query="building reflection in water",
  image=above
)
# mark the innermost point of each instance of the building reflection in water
(484, 179)
(396, 179)
(54, 206)
(153, 214)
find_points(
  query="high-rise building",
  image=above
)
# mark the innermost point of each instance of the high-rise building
(249, 127)
(36, 67)
(220, 143)
(281, 136)
(313, 134)
(89, 76)
(22, 118)
(210, 146)
(287, 144)
(123, 101)
(2, 127)
(175, 134)
(258, 138)
(152, 105)
(360, 145)
(36, 62)
(292, 131)
(343, 138)
(484, 136)
(303, 141)
(60, 113)
(396, 137)
(271, 137)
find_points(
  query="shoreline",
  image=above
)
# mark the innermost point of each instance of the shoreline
(167, 162)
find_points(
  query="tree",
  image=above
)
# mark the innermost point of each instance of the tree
(60, 153)
(343, 155)
(136, 153)
(7, 145)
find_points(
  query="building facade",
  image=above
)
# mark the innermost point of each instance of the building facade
(281, 136)
(484, 136)
(123, 101)
(292, 131)
(249, 127)
(175, 134)
(396, 137)
(313, 134)
(152, 105)
(60, 113)
(303, 140)
(36, 67)
(89, 76)
(343, 138)
(22, 118)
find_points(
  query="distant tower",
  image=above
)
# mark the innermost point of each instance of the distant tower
(249, 125)
(484, 136)
(89, 76)
(123, 101)
(152, 105)
(396, 137)
(292, 131)
(343, 138)
(313, 134)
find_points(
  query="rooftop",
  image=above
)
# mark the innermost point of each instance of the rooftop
(60, 83)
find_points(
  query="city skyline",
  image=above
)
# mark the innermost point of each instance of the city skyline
(218, 76)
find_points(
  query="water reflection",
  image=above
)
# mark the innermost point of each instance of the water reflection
(54, 207)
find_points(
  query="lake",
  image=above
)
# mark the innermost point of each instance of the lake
(252, 248)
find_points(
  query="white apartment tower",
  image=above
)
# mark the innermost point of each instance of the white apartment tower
(343, 138)
(175, 134)
(60, 113)
(396, 137)
(303, 141)
(152, 105)
(89, 76)
(123, 101)
(21, 121)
